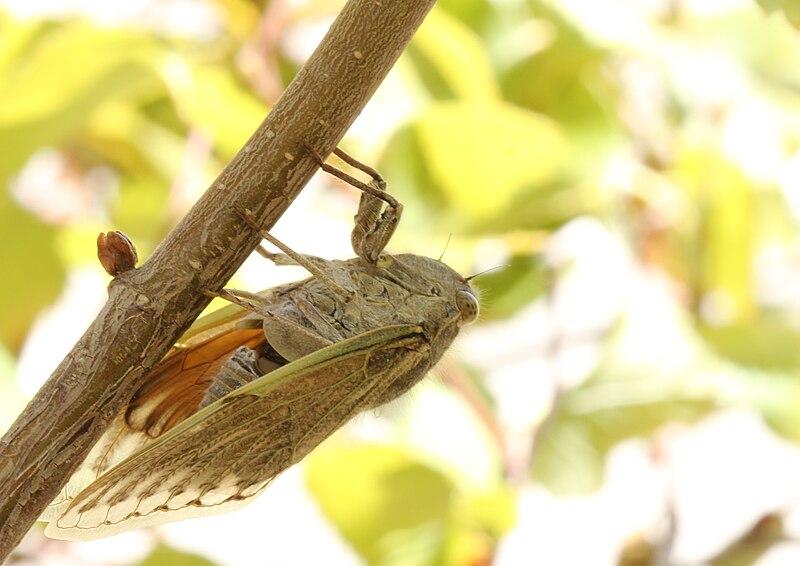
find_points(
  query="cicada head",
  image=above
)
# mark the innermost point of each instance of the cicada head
(438, 299)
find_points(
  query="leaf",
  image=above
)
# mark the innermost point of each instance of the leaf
(125, 137)
(442, 49)
(477, 14)
(649, 377)
(494, 511)
(766, 343)
(12, 400)
(724, 240)
(573, 454)
(212, 99)
(524, 149)
(568, 81)
(560, 80)
(90, 66)
(652, 376)
(451, 144)
(140, 210)
(789, 8)
(377, 494)
(32, 272)
(775, 394)
(166, 556)
(510, 288)
(241, 16)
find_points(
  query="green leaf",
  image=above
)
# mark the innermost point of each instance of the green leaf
(385, 503)
(12, 401)
(776, 395)
(213, 100)
(166, 556)
(140, 210)
(563, 79)
(568, 81)
(766, 343)
(640, 388)
(636, 389)
(32, 271)
(512, 287)
(61, 56)
(242, 17)
(451, 144)
(477, 14)
(442, 50)
(89, 67)
(524, 149)
(723, 242)
(494, 511)
(789, 8)
(572, 456)
(123, 136)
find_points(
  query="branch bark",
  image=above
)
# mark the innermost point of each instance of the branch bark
(150, 307)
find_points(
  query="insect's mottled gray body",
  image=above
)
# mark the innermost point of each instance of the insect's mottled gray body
(214, 424)
(411, 289)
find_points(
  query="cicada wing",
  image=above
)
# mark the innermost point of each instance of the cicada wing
(169, 394)
(174, 390)
(117, 443)
(223, 456)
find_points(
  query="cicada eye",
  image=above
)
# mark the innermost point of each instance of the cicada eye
(468, 306)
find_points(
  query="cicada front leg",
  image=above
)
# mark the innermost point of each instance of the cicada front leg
(378, 212)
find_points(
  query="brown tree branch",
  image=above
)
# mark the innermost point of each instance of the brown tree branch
(149, 308)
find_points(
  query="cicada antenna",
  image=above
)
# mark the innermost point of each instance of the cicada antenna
(446, 245)
(485, 271)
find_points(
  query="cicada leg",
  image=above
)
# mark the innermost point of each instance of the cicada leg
(309, 263)
(374, 224)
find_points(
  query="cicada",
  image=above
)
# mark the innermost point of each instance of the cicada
(253, 388)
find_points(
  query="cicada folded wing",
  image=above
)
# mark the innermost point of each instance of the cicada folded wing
(221, 457)
(170, 393)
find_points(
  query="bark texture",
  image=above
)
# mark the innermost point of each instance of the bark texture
(150, 307)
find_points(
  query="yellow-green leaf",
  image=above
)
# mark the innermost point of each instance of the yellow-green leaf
(32, 271)
(211, 99)
(452, 60)
(789, 8)
(375, 494)
(524, 150)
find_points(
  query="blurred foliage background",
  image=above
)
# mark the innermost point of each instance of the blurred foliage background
(631, 394)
